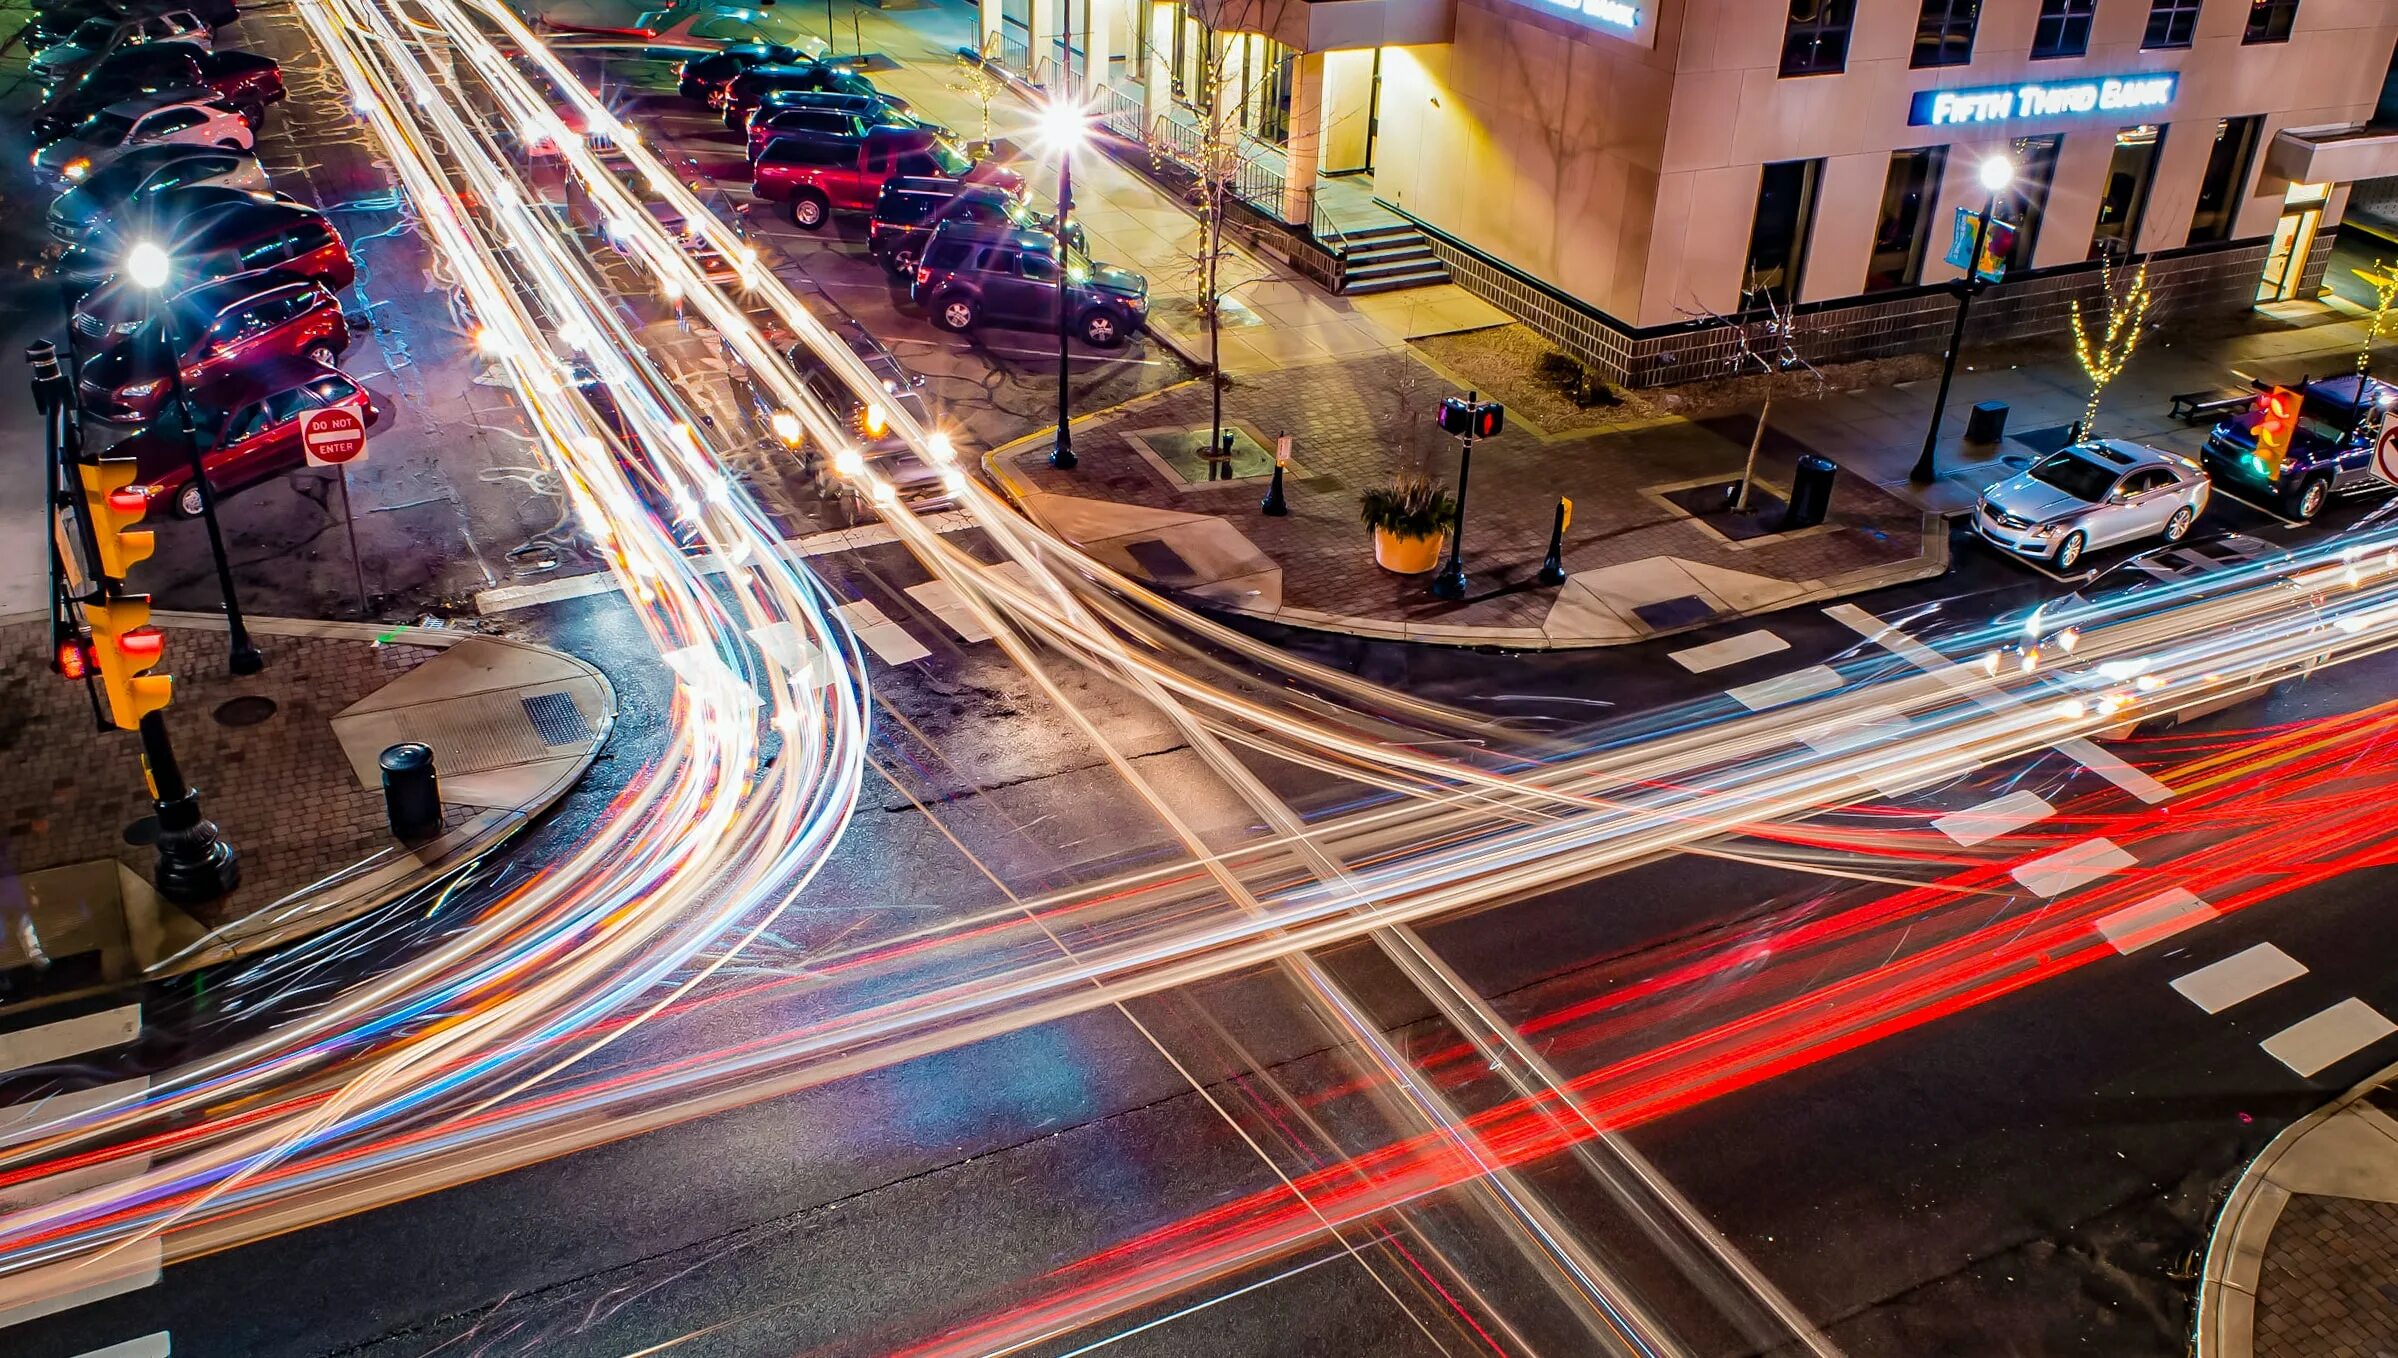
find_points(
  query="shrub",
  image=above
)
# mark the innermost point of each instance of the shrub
(1558, 370)
(1411, 506)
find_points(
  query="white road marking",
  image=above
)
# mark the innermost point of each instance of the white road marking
(891, 643)
(941, 600)
(1785, 688)
(2072, 866)
(2242, 976)
(19, 1121)
(786, 645)
(1993, 818)
(700, 667)
(2097, 759)
(1729, 651)
(69, 1037)
(1866, 726)
(70, 1283)
(2160, 916)
(2313, 1044)
(157, 1345)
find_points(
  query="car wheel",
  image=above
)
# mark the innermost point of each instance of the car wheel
(2069, 552)
(1101, 328)
(808, 211)
(2311, 498)
(231, 144)
(2178, 527)
(902, 262)
(187, 501)
(323, 354)
(954, 313)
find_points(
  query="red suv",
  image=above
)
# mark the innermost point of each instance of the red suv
(285, 237)
(820, 175)
(252, 427)
(221, 329)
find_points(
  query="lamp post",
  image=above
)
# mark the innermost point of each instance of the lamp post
(1064, 127)
(149, 267)
(1996, 174)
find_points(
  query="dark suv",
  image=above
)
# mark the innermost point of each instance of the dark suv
(819, 175)
(702, 75)
(909, 210)
(2330, 454)
(749, 89)
(220, 330)
(824, 115)
(969, 277)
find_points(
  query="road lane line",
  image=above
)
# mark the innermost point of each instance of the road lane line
(2314, 1044)
(63, 1286)
(2242, 976)
(159, 1345)
(69, 1037)
(2160, 916)
(1715, 655)
(1785, 688)
(1993, 818)
(22, 1120)
(2073, 866)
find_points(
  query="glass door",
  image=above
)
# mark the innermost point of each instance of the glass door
(2293, 241)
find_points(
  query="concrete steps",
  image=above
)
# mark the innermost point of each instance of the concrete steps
(1389, 256)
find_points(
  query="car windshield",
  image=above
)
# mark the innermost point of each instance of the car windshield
(2075, 475)
(91, 33)
(953, 162)
(105, 127)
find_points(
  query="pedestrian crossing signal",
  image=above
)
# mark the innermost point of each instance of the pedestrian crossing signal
(1466, 418)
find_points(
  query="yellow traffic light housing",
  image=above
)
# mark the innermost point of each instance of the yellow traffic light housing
(114, 505)
(2276, 426)
(124, 644)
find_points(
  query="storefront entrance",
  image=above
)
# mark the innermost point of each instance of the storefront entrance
(2293, 241)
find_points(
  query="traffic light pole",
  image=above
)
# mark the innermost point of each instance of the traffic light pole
(242, 657)
(194, 863)
(1450, 583)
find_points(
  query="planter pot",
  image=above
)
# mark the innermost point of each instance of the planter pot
(1407, 555)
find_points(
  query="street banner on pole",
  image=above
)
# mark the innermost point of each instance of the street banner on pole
(1994, 250)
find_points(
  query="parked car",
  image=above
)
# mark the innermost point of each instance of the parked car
(183, 117)
(909, 210)
(824, 115)
(750, 88)
(141, 174)
(2331, 453)
(971, 277)
(170, 216)
(286, 237)
(251, 428)
(53, 24)
(219, 331)
(247, 82)
(2093, 494)
(703, 75)
(818, 176)
(100, 35)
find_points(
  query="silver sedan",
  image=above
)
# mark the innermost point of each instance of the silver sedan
(2093, 494)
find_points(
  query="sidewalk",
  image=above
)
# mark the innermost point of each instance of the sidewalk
(285, 762)
(2304, 1258)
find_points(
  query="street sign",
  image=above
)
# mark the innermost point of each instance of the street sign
(1994, 250)
(2385, 448)
(333, 437)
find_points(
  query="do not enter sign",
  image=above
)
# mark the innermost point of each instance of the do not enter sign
(2385, 449)
(333, 436)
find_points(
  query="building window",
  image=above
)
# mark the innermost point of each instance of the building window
(1944, 33)
(1905, 227)
(1816, 42)
(2170, 23)
(2270, 20)
(2064, 28)
(2026, 201)
(1778, 236)
(2120, 206)
(2227, 169)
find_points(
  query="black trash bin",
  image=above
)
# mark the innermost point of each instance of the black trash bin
(1810, 492)
(1987, 423)
(411, 792)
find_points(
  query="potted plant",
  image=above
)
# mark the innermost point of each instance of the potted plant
(1411, 519)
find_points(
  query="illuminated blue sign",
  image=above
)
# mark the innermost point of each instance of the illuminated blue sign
(2044, 99)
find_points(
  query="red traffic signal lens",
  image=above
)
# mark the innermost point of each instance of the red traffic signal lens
(130, 499)
(143, 645)
(73, 661)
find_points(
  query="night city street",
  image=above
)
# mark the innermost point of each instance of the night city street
(1685, 679)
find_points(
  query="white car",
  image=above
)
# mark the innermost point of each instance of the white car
(96, 37)
(188, 117)
(2093, 494)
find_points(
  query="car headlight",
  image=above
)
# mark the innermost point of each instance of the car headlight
(76, 168)
(135, 391)
(124, 327)
(2049, 529)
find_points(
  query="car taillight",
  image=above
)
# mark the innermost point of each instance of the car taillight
(924, 275)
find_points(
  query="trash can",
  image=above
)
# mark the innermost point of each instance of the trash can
(1810, 492)
(411, 792)
(1987, 423)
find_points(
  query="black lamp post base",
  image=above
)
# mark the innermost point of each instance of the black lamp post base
(195, 864)
(1062, 457)
(246, 660)
(1449, 585)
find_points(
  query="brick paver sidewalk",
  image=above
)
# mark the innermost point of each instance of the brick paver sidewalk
(2330, 1283)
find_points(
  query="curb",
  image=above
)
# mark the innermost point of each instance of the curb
(2224, 1324)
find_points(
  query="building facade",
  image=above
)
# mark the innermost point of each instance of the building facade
(1624, 173)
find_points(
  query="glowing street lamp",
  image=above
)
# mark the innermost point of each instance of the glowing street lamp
(1064, 126)
(1996, 173)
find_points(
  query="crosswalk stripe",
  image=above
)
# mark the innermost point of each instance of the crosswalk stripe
(69, 1037)
(2072, 866)
(1866, 726)
(2097, 759)
(2160, 916)
(1715, 655)
(941, 600)
(19, 1121)
(1785, 688)
(70, 1283)
(2317, 1043)
(1993, 818)
(2244, 975)
(891, 643)
(159, 1345)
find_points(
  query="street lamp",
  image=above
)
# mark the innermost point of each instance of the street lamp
(1996, 173)
(148, 267)
(1064, 127)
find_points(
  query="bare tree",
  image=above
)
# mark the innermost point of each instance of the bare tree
(2103, 354)
(1764, 340)
(977, 82)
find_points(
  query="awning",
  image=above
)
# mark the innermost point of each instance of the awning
(2333, 155)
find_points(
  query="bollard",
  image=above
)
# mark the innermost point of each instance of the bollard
(411, 791)
(1552, 570)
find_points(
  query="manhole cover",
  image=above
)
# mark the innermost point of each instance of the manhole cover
(143, 831)
(245, 711)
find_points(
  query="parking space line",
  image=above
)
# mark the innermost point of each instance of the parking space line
(2073, 866)
(1715, 655)
(1993, 818)
(159, 1345)
(69, 1037)
(2317, 1043)
(2159, 917)
(1785, 688)
(2242, 976)
(70, 1283)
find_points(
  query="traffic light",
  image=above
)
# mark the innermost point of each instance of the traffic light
(123, 645)
(2276, 425)
(1467, 419)
(114, 504)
